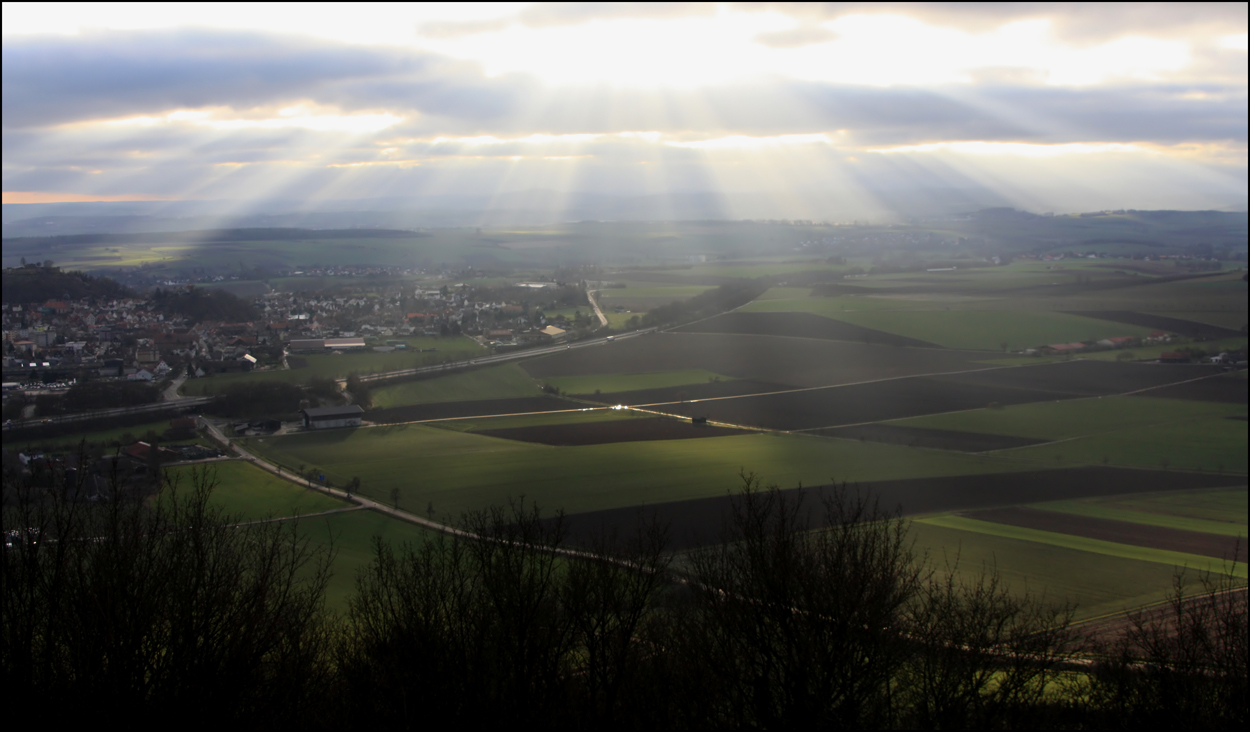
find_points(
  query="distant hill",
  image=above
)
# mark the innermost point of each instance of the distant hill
(215, 235)
(40, 284)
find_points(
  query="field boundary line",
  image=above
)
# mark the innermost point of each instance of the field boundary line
(484, 416)
(1076, 542)
(298, 516)
(1175, 383)
(839, 386)
(977, 409)
(934, 347)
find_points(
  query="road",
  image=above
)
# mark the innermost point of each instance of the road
(603, 319)
(354, 498)
(181, 402)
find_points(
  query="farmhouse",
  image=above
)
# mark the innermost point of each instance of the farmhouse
(345, 343)
(307, 344)
(322, 418)
(1063, 348)
(554, 333)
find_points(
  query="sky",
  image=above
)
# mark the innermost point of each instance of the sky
(811, 107)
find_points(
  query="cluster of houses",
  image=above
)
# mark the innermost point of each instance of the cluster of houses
(124, 339)
(1156, 337)
(128, 338)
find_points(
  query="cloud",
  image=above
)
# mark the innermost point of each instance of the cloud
(796, 37)
(1071, 22)
(53, 80)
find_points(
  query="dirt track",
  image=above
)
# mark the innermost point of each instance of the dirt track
(485, 407)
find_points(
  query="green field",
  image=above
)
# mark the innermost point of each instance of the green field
(1075, 417)
(458, 471)
(1123, 431)
(830, 307)
(350, 537)
(1080, 543)
(1229, 505)
(1215, 444)
(109, 436)
(581, 416)
(610, 383)
(250, 493)
(493, 382)
(1140, 353)
(1104, 583)
(989, 330)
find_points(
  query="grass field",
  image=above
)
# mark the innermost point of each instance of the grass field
(1231, 504)
(1075, 417)
(1222, 506)
(1081, 543)
(989, 330)
(250, 493)
(1206, 444)
(493, 382)
(1104, 583)
(109, 436)
(1140, 353)
(1125, 431)
(458, 471)
(350, 537)
(601, 414)
(609, 383)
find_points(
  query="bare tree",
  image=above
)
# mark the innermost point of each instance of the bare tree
(799, 625)
(156, 607)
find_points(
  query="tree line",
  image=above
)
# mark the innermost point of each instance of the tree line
(162, 607)
(706, 304)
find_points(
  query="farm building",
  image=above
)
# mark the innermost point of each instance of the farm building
(322, 418)
(344, 343)
(318, 345)
(1061, 348)
(307, 344)
(554, 333)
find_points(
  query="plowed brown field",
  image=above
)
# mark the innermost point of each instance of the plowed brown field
(600, 433)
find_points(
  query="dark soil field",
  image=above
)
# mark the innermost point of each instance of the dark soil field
(923, 437)
(1120, 532)
(799, 325)
(739, 387)
(790, 361)
(483, 408)
(1230, 388)
(858, 403)
(1110, 629)
(600, 433)
(700, 521)
(1084, 378)
(1187, 328)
